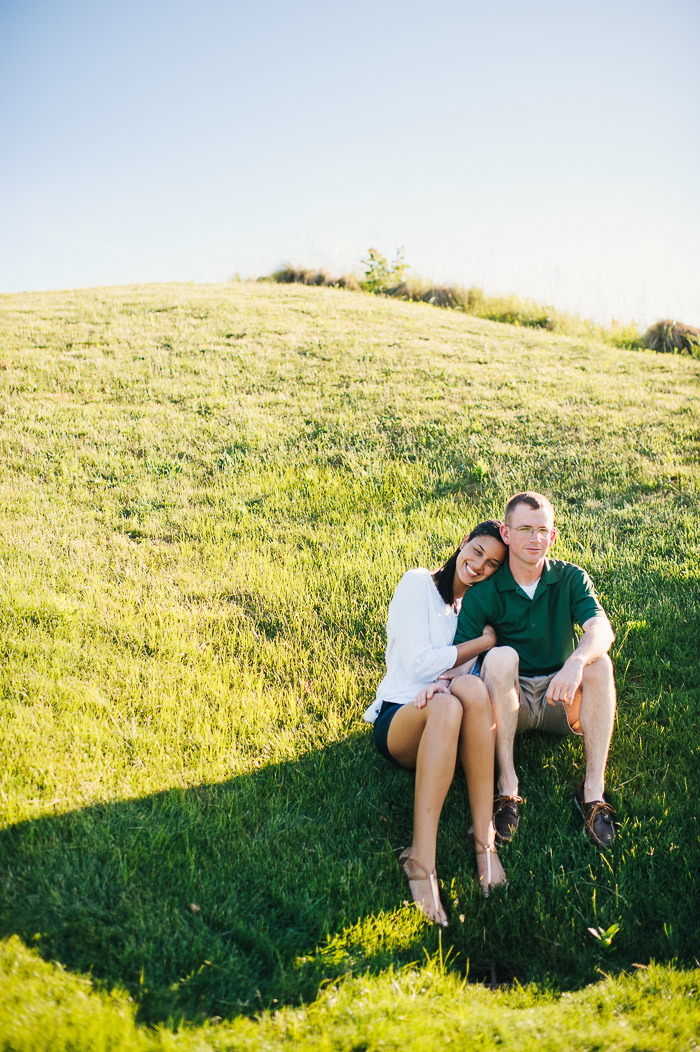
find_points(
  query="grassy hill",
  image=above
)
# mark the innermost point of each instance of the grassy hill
(208, 495)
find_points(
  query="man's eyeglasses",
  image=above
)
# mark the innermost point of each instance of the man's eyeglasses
(542, 532)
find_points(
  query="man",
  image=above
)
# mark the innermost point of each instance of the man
(538, 676)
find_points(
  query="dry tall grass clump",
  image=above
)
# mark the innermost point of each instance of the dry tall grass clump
(290, 275)
(446, 296)
(413, 289)
(673, 337)
(454, 297)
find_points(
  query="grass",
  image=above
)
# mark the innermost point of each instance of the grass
(43, 1007)
(208, 495)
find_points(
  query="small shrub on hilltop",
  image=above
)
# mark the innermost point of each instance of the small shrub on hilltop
(673, 337)
(380, 275)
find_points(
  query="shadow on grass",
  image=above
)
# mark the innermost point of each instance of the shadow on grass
(225, 899)
(218, 899)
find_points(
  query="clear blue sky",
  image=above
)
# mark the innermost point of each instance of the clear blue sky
(544, 148)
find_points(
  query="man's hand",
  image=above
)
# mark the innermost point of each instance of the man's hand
(568, 679)
(596, 640)
(489, 637)
(441, 686)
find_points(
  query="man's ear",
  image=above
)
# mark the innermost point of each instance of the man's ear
(505, 532)
(552, 536)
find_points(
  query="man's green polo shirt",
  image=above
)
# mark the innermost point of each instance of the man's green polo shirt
(541, 629)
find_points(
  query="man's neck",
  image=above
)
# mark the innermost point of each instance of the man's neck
(524, 573)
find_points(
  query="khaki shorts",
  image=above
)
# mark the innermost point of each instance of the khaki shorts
(535, 712)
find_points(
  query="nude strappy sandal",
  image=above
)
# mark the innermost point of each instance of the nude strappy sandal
(405, 859)
(488, 850)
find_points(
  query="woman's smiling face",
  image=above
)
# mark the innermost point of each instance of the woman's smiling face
(477, 560)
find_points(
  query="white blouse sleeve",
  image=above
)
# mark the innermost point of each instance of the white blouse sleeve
(408, 624)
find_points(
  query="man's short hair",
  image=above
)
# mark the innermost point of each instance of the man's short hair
(532, 500)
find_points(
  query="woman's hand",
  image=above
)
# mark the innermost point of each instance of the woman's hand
(489, 637)
(423, 696)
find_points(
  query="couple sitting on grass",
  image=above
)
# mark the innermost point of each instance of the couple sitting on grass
(477, 652)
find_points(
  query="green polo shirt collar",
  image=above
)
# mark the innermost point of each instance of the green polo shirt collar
(505, 582)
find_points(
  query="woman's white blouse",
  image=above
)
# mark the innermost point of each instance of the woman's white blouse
(419, 632)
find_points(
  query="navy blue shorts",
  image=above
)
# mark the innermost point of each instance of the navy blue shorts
(389, 710)
(381, 728)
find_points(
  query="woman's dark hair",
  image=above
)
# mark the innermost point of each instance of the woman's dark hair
(445, 577)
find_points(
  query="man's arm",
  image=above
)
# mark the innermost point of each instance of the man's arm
(472, 618)
(596, 640)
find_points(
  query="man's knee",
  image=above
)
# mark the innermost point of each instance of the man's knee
(597, 693)
(501, 664)
(599, 674)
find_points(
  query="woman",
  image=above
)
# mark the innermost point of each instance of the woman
(425, 727)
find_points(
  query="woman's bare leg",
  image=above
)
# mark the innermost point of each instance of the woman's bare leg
(426, 740)
(477, 743)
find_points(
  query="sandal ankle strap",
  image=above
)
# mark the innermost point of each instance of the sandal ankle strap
(485, 848)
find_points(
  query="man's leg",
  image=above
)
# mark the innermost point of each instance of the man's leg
(597, 716)
(500, 672)
(592, 714)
